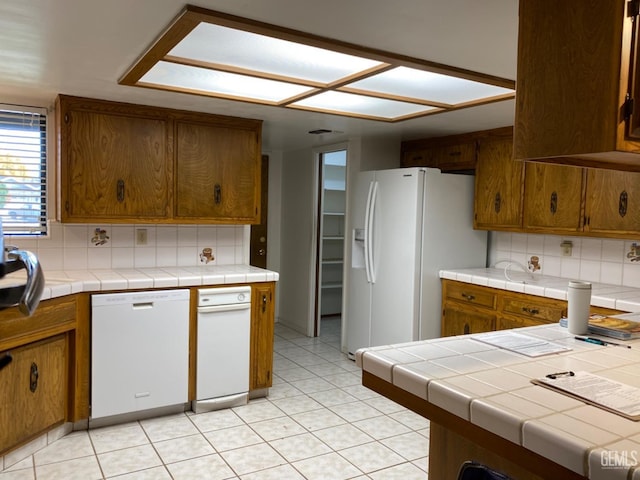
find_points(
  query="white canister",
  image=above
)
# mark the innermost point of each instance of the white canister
(579, 306)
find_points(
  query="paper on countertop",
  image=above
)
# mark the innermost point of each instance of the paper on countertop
(601, 392)
(520, 343)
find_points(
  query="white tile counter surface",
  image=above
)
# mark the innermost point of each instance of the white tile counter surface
(602, 294)
(61, 283)
(491, 388)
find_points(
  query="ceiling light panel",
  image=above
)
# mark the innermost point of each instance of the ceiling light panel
(360, 105)
(218, 45)
(210, 53)
(214, 82)
(427, 86)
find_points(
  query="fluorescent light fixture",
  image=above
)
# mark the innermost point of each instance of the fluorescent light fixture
(218, 45)
(361, 106)
(206, 81)
(427, 86)
(219, 55)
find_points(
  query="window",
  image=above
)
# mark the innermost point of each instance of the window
(23, 170)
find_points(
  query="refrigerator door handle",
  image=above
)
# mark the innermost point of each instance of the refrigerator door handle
(367, 266)
(370, 233)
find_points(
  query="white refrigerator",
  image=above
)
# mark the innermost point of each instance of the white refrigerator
(409, 223)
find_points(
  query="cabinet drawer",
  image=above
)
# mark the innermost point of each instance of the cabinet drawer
(463, 292)
(52, 317)
(540, 310)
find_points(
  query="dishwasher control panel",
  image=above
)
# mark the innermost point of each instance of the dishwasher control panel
(223, 296)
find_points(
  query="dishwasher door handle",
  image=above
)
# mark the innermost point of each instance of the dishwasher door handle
(224, 308)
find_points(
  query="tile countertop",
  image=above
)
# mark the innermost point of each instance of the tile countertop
(491, 388)
(61, 283)
(604, 295)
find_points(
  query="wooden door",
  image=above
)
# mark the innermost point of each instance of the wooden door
(552, 198)
(116, 167)
(259, 234)
(32, 390)
(262, 325)
(499, 186)
(217, 173)
(612, 202)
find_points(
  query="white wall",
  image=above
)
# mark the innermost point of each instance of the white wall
(297, 239)
(274, 218)
(602, 260)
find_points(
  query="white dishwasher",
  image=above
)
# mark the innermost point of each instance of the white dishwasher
(222, 370)
(139, 351)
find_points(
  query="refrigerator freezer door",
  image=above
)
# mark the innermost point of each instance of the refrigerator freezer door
(358, 312)
(396, 233)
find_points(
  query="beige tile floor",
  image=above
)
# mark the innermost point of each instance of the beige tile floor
(318, 423)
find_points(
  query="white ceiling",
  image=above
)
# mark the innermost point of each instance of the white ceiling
(82, 47)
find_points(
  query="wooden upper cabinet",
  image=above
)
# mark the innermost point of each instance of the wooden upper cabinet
(499, 186)
(449, 154)
(553, 198)
(217, 172)
(612, 202)
(115, 163)
(575, 72)
(125, 163)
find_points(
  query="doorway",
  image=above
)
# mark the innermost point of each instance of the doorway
(330, 241)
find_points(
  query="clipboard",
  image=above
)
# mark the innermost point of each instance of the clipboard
(601, 392)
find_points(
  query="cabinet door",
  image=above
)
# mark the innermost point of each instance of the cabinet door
(447, 158)
(612, 202)
(457, 320)
(261, 357)
(552, 198)
(217, 173)
(32, 390)
(114, 167)
(499, 185)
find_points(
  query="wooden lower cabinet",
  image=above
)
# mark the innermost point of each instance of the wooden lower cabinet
(468, 308)
(457, 320)
(262, 324)
(33, 390)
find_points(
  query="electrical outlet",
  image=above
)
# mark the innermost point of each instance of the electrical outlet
(141, 236)
(567, 248)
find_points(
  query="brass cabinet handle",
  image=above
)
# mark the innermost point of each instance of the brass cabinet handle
(554, 202)
(622, 204)
(33, 377)
(532, 311)
(217, 193)
(120, 190)
(497, 203)
(264, 303)
(468, 296)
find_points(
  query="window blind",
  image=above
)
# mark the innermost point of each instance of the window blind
(23, 170)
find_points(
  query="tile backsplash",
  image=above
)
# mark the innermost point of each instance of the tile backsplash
(601, 260)
(105, 246)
